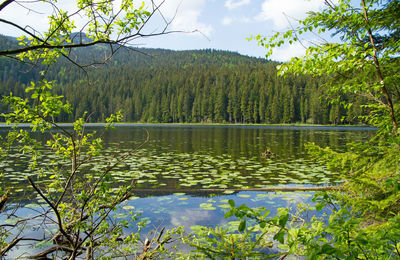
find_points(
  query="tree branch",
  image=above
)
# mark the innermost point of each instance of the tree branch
(5, 3)
(378, 70)
(13, 243)
(59, 219)
(22, 29)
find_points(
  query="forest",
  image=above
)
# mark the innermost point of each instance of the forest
(54, 77)
(198, 86)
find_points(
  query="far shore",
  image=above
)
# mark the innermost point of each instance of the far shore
(292, 126)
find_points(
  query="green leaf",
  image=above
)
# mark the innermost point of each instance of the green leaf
(327, 249)
(228, 214)
(242, 226)
(283, 220)
(280, 236)
(262, 224)
(319, 206)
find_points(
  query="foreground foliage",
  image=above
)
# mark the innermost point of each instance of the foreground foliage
(78, 213)
(362, 221)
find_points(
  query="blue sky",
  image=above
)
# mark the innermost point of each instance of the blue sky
(221, 24)
(225, 24)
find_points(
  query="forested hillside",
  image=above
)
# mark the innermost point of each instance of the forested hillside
(152, 85)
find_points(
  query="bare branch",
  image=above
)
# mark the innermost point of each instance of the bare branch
(54, 207)
(297, 37)
(14, 242)
(43, 255)
(5, 3)
(20, 28)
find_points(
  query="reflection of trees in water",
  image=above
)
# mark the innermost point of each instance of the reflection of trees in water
(249, 142)
(232, 140)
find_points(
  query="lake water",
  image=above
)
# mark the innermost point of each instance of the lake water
(185, 174)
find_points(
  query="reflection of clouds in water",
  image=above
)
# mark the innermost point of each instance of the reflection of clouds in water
(294, 198)
(272, 201)
(35, 229)
(190, 217)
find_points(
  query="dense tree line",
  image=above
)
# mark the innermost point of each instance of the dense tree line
(182, 86)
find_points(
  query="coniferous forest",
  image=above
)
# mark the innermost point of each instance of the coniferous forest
(164, 86)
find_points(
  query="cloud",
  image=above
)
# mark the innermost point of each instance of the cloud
(232, 4)
(278, 11)
(286, 52)
(185, 15)
(193, 216)
(227, 20)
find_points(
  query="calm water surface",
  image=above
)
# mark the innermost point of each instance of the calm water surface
(185, 174)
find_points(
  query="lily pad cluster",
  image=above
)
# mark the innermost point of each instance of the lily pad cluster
(207, 171)
(173, 170)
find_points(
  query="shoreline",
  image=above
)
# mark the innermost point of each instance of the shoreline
(252, 125)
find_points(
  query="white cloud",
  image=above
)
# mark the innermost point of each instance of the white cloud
(232, 4)
(279, 11)
(286, 52)
(192, 217)
(227, 20)
(185, 15)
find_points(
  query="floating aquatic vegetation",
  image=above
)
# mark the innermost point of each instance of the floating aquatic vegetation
(179, 194)
(128, 207)
(207, 206)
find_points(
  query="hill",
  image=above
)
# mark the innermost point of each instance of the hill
(157, 85)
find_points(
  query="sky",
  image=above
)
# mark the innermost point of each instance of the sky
(218, 24)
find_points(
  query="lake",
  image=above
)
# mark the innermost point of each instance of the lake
(186, 173)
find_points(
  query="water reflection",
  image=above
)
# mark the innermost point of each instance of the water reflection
(187, 211)
(236, 141)
(190, 159)
(194, 157)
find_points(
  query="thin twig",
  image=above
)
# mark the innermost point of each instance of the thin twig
(54, 207)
